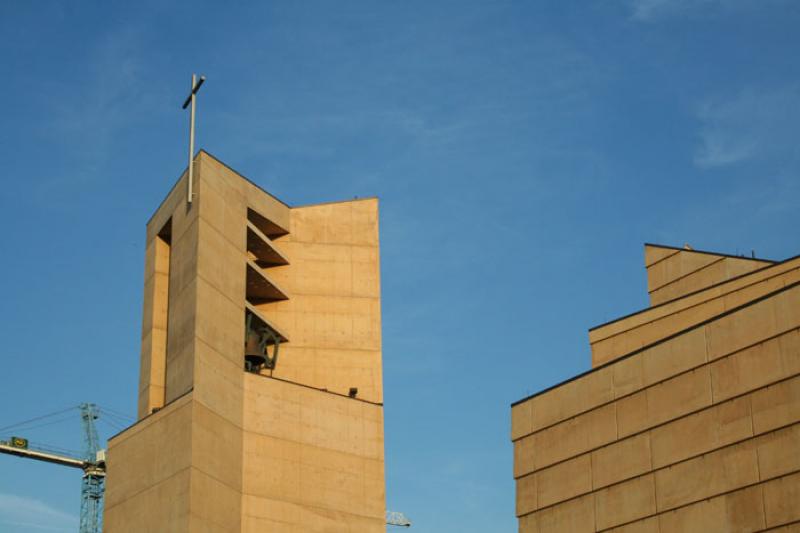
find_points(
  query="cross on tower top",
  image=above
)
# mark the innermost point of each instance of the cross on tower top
(190, 100)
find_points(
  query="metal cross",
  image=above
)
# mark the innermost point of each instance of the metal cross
(191, 100)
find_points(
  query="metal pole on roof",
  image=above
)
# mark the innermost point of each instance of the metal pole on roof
(191, 100)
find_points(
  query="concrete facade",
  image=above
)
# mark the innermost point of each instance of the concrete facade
(298, 447)
(690, 417)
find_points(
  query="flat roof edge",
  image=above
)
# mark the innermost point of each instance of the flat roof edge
(148, 415)
(740, 276)
(659, 341)
(161, 203)
(315, 204)
(708, 252)
(248, 180)
(254, 184)
(320, 389)
(221, 162)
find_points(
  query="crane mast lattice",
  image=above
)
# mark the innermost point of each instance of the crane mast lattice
(94, 476)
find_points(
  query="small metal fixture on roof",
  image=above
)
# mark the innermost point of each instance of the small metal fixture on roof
(396, 518)
(687, 247)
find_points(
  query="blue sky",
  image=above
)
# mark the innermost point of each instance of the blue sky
(523, 153)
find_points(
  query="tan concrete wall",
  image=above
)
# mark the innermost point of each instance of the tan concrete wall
(730, 287)
(226, 432)
(155, 351)
(313, 460)
(172, 472)
(721, 270)
(699, 431)
(619, 338)
(154, 327)
(333, 316)
(676, 272)
(149, 470)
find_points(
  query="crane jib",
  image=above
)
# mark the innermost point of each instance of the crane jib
(93, 464)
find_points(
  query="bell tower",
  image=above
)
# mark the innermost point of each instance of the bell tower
(260, 390)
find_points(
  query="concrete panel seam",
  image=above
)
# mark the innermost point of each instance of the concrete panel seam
(676, 252)
(640, 519)
(666, 466)
(662, 304)
(724, 493)
(223, 236)
(763, 498)
(313, 446)
(701, 324)
(666, 339)
(600, 405)
(710, 374)
(309, 506)
(208, 520)
(687, 308)
(239, 490)
(133, 495)
(217, 289)
(654, 384)
(780, 526)
(693, 272)
(161, 412)
(649, 429)
(735, 278)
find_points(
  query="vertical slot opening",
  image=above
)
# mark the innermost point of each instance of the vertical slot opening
(158, 354)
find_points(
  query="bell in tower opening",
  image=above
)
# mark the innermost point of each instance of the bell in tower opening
(258, 338)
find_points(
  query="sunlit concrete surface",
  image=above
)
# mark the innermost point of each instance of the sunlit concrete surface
(690, 417)
(219, 449)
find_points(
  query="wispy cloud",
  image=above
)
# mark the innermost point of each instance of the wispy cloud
(112, 98)
(33, 514)
(752, 123)
(649, 10)
(313, 135)
(395, 104)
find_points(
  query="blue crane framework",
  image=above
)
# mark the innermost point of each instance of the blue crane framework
(94, 474)
(93, 465)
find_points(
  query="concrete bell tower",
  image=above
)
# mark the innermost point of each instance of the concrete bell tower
(260, 391)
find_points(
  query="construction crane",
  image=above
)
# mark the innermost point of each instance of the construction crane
(92, 463)
(395, 518)
(94, 474)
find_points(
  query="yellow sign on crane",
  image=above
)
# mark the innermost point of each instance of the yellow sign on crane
(19, 442)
